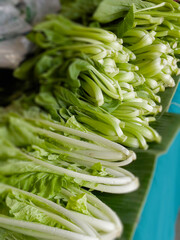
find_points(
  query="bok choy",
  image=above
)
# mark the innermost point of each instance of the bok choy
(36, 216)
(107, 94)
(92, 160)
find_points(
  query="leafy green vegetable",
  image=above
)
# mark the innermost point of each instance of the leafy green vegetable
(35, 213)
(100, 76)
(100, 217)
(110, 10)
(78, 203)
(65, 151)
(127, 23)
(77, 9)
(96, 85)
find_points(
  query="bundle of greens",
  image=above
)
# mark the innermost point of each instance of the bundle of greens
(97, 82)
(98, 88)
(151, 30)
(114, 125)
(69, 214)
(87, 59)
(44, 165)
(87, 158)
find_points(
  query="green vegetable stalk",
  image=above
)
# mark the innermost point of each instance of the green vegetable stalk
(46, 219)
(65, 151)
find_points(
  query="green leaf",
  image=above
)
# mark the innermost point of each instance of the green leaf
(73, 123)
(168, 121)
(78, 203)
(22, 209)
(167, 96)
(25, 69)
(75, 9)
(46, 100)
(16, 167)
(110, 10)
(43, 184)
(66, 96)
(110, 104)
(127, 23)
(75, 69)
(98, 170)
(46, 66)
(7, 149)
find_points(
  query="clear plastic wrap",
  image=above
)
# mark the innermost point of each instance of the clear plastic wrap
(16, 20)
(13, 51)
(11, 22)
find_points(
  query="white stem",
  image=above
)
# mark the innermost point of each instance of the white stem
(24, 226)
(117, 171)
(67, 140)
(89, 178)
(89, 136)
(104, 163)
(25, 231)
(126, 188)
(131, 157)
(70, 226)
(98, 224)
(93, 210)
(97, 213)
(113, 235)
(55, 207)
(114, 156)
(102, 206)
(89, 161)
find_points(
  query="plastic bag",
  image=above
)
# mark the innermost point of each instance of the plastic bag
(13, 51)
(36, 10)
(16, 20)
(11, 22)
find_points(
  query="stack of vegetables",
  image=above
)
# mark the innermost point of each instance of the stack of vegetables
(98, 92)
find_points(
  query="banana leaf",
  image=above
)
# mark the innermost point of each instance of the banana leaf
(167, 96)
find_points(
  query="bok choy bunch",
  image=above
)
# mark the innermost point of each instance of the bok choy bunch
(121, 125)
(150, 29)
(75, 77)
(43, 166)
(72, 214)
(84, 58)
(91, 160)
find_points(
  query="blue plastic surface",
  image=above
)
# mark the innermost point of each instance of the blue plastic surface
(160, 212)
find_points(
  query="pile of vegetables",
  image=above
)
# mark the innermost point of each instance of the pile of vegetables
(44, 167)
(97, 94)
(95, 83)
(77, 215)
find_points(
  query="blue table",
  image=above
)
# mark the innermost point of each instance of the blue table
(160, 212)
